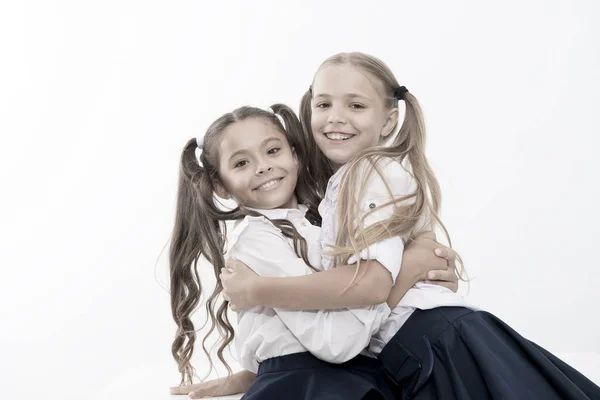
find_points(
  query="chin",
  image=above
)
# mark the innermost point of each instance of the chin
(338, 159)
(271, 203)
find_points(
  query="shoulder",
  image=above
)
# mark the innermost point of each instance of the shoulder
(254, 231)
(259, 244)
(384, 176)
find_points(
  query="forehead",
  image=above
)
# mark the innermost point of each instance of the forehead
(343, 79)
(247, 135)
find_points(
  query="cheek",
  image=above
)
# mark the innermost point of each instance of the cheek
(316, 123)
(371, 124)
(294, 167)
(235, 185)
(228, 184)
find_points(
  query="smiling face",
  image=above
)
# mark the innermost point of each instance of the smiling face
(257, 166)
(348, 112)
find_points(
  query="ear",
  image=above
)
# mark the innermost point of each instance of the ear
(221, 191)
(390, 123)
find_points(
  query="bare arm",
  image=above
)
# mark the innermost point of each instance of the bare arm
(324, 290)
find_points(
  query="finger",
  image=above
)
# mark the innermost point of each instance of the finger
(447, 275)
(445, 252)
(199, 394)
(177, 390)
(232, 263)
(185, 389)
(224, 276)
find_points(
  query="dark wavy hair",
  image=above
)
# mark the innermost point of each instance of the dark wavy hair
(200, 231)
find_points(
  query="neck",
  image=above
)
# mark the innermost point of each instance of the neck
(336, 167)
(292, 203)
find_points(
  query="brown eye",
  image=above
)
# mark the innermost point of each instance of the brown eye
(357, 106)
(273, 150)
(240, 164)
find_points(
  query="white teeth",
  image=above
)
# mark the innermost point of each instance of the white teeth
(268, 185)
(337, 136)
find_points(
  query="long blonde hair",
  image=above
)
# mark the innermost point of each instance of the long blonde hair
(407, 148)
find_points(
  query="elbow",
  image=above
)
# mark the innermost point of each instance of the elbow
(380, 297)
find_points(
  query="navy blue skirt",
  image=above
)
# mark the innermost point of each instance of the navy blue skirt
(459, 354)
(302, 376)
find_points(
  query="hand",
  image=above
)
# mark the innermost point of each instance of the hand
(238, 280)
(431, 262)
(237, 383)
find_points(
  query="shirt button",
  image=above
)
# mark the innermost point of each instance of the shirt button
(304, 223)
(372, 205)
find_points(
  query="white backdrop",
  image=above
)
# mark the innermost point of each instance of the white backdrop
(98, 98)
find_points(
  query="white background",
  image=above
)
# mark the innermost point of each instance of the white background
(98, 98)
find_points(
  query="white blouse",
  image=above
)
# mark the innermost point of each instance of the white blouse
(388, 252)
(262, 332)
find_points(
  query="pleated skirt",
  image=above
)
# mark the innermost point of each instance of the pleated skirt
(302, 376)
(454, 353)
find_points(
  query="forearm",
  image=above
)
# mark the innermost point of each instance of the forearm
(243, 380)
(403, 283)
(325, 290)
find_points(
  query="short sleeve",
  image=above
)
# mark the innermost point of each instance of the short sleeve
(388, 252)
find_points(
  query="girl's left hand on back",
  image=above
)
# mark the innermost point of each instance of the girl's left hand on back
(237, 280)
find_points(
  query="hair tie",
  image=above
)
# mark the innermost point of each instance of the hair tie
(399, 92)
(200, 141)
(279, 117)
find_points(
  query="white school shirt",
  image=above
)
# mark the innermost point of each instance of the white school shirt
(334, 336)
(388, 252)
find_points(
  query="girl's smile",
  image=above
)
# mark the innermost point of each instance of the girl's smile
(348, 112)
(258, 168)
(270, 185)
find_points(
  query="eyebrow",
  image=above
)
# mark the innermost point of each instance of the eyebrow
(262, 144)
(350, 95)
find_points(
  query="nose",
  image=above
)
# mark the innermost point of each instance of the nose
(263, 168)
(336, 115)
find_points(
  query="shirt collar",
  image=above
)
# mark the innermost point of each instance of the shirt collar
(336, 178)
(283, 213)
